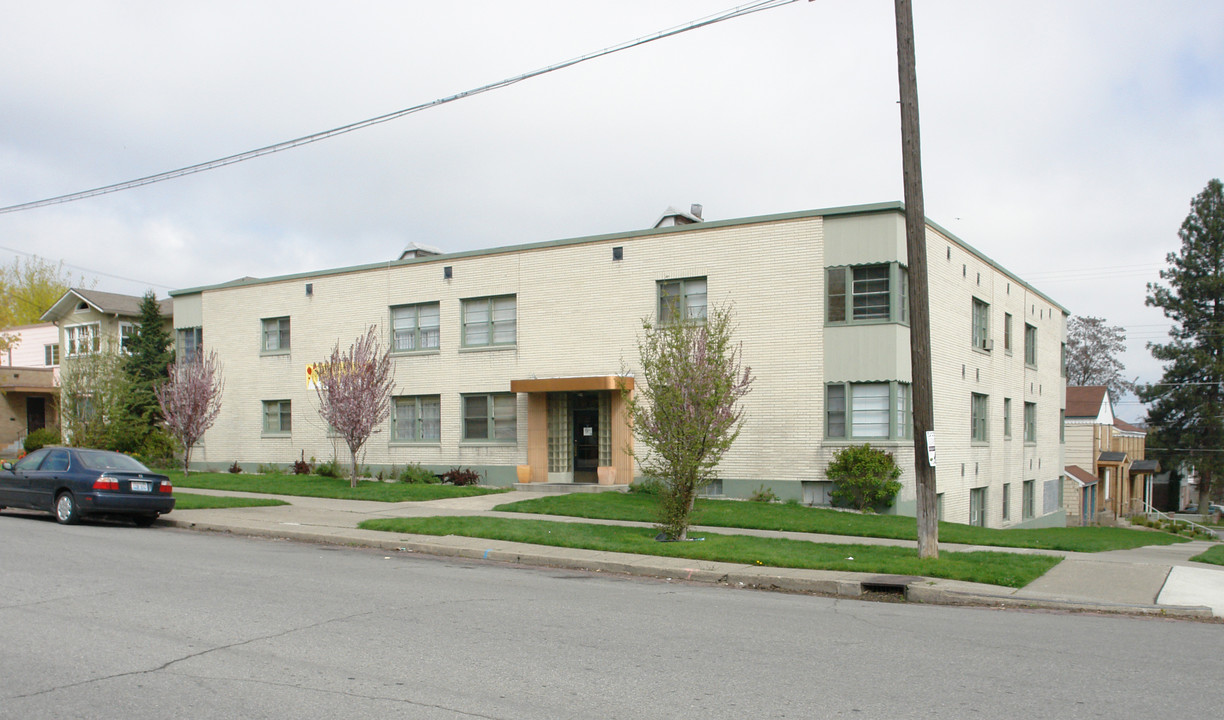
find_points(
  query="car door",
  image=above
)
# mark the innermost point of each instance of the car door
(49, 475)
(15, 483)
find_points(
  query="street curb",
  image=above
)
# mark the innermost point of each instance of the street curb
(941, 596)
(819, 582)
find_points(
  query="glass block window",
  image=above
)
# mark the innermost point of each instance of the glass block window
(560, 439)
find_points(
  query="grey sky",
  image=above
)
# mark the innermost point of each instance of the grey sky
(1063, 140)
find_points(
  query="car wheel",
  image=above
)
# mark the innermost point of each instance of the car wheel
(66, 509)
(144, 520)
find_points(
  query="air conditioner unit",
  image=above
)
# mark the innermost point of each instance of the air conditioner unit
(988, 345)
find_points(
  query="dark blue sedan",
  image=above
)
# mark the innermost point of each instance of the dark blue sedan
(72, 483)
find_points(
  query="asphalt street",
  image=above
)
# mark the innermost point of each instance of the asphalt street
(110, 621)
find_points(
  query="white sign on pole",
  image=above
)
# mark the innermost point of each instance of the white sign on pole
(930, 443)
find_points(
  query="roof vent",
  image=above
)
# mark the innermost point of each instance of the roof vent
(672, 217)
(417, 250)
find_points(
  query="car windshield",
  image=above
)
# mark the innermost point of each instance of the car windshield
(104, 460)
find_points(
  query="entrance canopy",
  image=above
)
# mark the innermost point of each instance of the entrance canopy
(1082, 477)
(572, 384)
(1145, 467)
(577, 429)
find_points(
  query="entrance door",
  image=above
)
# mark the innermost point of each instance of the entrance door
(36, 413)
(585, 408)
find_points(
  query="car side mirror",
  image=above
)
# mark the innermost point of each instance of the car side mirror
(7, 466)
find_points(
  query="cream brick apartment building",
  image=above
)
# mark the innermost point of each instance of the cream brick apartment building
(508, 360)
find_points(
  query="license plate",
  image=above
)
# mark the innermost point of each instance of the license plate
(140, 486)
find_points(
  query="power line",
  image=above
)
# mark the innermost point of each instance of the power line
(735, 12)
(89, 270)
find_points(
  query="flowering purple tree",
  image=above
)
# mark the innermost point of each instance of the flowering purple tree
(191, 400)
(687, 414)
(355, 391)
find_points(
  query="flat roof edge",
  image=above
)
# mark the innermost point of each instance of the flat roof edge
(605, 237)
(841, 210)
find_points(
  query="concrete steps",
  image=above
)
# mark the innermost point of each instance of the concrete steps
(546, 487)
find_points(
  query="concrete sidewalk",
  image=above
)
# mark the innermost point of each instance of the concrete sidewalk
(1157, 580)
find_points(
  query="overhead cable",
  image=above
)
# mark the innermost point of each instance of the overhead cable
(735, 12)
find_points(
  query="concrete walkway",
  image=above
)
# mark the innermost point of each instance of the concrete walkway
(1156, 580)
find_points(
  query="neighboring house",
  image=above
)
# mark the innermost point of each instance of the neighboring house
(29, 375)
(90, 321)
(511, 360)
(1108, 473)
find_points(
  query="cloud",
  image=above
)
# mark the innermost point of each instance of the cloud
(1071, 135)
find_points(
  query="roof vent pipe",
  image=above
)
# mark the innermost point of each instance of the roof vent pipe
(695, 210)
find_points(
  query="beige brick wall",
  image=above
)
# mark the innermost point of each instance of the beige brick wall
(958, 275)
(579, 313)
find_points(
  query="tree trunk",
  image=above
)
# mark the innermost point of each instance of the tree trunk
(688, 512)
(353, 477)
(186, 460)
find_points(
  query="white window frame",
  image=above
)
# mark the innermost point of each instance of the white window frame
(51, 354)
(125, 338)
(92, 337)
(1030, 422)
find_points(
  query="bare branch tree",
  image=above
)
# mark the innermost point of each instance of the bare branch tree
(1093, 349)
(191, 400)
(355, 391)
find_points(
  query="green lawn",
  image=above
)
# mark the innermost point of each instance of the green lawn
(192, 501)
(315, 486)
(798, 518)
(1213, 555)
(997, 568)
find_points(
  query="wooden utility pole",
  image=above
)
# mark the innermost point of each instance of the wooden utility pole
(920, 320)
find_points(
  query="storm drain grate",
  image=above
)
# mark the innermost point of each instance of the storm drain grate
(888, 584)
